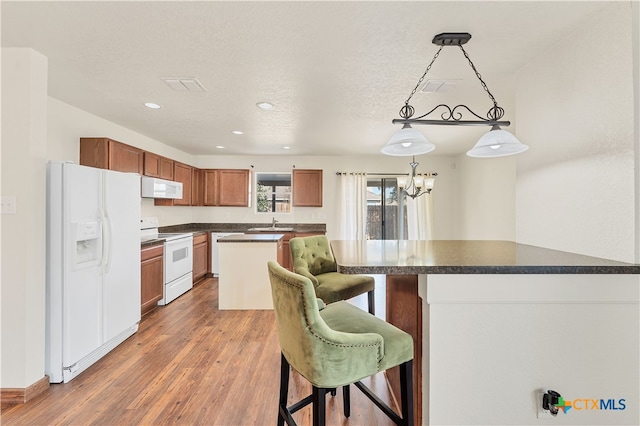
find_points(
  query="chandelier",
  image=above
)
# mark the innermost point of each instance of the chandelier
(418, 184)
(495, 143)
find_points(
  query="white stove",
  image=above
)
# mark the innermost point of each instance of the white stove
(178, 258)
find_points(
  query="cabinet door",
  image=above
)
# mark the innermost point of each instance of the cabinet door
(105, 153)
(151, 164)
(233, 187)
(287, 261)
(151, 278)
(197, 187)
(94, 152)
(125, 158)
(200, 256)
(210, 187)
(166, 168)
(307, 188)
(182, 173)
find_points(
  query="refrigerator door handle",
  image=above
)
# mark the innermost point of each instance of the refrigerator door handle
(106, 228)
(108, 234)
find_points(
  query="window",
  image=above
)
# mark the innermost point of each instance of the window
(384, 211)
(273, 192)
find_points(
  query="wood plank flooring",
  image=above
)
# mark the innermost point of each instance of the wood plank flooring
(190, 364)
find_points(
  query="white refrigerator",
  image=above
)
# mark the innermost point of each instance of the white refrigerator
(93, 265)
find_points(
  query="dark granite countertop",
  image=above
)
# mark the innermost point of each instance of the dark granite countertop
(199, 228)
(242, 227)
(252, 238)
(394, 257)
(151, 242)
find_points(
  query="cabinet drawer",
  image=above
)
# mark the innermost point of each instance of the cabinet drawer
(199, 239)
(151, 252)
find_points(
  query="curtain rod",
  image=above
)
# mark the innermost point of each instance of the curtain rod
(383, 174)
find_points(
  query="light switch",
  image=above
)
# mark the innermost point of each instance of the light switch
(8, 204)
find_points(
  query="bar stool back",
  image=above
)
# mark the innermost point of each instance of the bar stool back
(333, 346)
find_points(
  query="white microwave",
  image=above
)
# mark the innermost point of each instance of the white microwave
(160, 188)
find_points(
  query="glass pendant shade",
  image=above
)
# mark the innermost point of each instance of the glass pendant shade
(497, 143)
(428, 183)
(407, 141)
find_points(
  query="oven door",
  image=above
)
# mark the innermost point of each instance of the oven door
(178, 258)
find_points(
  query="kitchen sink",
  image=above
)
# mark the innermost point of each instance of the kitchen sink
(272, 229)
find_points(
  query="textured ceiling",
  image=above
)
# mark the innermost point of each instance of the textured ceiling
(337, 72)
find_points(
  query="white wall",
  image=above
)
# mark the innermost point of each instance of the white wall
(485, 203)
(635, 37)
(576, 187)
(24, 119)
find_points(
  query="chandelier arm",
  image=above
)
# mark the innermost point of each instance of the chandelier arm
(415, 89)
(496, 112)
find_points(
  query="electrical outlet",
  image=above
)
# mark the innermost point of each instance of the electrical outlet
(541, 412)
(8, 204)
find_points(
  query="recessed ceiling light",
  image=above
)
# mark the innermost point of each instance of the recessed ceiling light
(286, 147)
(238, 132)
(264, 105)
(152, 105)
(219, 146)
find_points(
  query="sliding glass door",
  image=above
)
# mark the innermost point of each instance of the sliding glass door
(386, 213)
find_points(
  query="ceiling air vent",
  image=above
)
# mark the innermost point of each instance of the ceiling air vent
(184, 84)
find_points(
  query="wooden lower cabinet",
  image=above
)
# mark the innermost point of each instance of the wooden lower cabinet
(152, 277)
(201, 258)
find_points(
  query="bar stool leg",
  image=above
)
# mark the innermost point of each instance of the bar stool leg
(346, 400)
(319, 406)
(406, 392)
(284, 389)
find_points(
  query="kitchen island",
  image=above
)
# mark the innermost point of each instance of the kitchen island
(496, 323)
(244, 280)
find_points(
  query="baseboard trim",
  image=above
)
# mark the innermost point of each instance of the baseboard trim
(22, 395)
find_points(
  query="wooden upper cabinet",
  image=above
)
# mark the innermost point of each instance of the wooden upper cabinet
(158, 166)
(226, 187)
(151, 165)
(166, 168)
(197, 187)
(307, 188)
(106, 153)
(183, 173)
(233, 187)
(210, 190)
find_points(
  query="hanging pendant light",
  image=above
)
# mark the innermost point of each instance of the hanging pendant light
(496, 143)
(407, 141)
(417, 184)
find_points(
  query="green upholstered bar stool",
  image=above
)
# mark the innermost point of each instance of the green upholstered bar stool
(312, 257)
(333, 346)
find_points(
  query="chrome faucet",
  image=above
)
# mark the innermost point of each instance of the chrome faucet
(273, 222)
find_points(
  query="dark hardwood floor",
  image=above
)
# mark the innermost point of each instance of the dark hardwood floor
(190, 364)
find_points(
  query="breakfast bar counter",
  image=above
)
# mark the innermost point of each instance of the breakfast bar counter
(497, 323)
(243, 282)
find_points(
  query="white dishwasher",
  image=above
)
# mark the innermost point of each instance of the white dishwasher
(215, 265)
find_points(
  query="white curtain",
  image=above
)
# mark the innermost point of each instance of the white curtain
(420, 217)
(353, 206)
